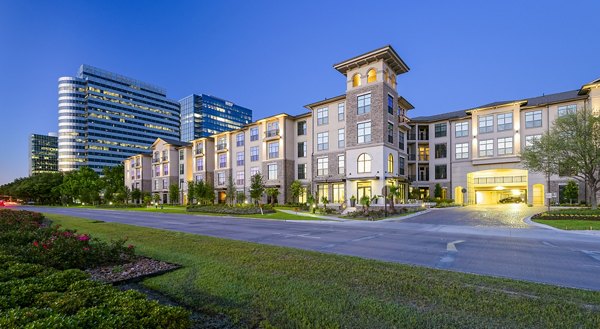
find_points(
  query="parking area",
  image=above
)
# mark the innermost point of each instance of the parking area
(503, 215)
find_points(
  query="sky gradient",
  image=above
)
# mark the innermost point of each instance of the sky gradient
(277, 56)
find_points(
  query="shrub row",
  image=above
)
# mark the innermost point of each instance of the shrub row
(558, 216)
(379, 213)
(122, 205)
(232, 210)
(35, 296)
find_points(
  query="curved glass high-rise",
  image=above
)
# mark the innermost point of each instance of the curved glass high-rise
(104, 117)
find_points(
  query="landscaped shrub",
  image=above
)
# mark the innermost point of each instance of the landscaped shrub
(570, 214)
(233, 210)
(122, 205)
(375, 214)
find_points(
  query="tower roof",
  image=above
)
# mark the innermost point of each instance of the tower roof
(387, 54)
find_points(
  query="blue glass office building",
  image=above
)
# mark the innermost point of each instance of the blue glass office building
(104, 117)
(205, 115)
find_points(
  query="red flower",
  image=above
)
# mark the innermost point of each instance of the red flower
(36, 244)
(84, 237)
(45, 246)
(130, 246)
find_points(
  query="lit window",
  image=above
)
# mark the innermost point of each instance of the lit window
(322, 191)
(486, 148)
(364, 132)
(338, 192)
(323, 141)
(390, 163)
(462, 151)
(322, 166)
(272, 171)
(364, 163)
(505, 145)
(371, 76)
(462, 129)
(486, 124)
(364, 103)
(505, 121)
(533, 119)
(356, 80)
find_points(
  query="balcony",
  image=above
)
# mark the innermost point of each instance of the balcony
(423, 178)
(423, 136)
(221, 147)
(271, 134)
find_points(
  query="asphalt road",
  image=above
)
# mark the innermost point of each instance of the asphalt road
(466, 240)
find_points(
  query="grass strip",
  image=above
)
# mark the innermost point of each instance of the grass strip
(267, 286)
(569, 224)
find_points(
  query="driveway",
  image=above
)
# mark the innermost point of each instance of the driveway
(505, 215)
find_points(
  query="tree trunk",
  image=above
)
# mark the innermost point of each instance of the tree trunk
(593, 185)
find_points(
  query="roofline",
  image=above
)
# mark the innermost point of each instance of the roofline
(585, 88)
(325, 101)
(496, 106)
(406, 103)
(376, 54)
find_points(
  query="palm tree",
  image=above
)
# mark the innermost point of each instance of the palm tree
(365, 201)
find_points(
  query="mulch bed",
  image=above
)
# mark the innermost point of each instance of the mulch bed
(134, 271)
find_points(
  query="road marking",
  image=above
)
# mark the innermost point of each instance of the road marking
(306, 235)
(451, 246)
(367, 237)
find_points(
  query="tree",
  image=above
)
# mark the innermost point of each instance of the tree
(296, 189)
(325, 201)
(156, 198)
(83, 184)
(191, 192)
(437, 192)
(147, 198)
(240, 197)
(273, 192)
(571, 191)
(113, 183)
(540, 156)
(257, 187)
(365, 201)
(230, 192)
(174, 193)
(415, 194)
(136, 195)
(395, 191)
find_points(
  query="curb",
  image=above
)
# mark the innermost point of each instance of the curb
(528, 221)
(404, 217)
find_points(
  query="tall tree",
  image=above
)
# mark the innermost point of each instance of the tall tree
(230, 189)
(83, 184)
(191, 192)
(571, 191)
(113, 180)
(273, 193)
(257, 187)
(541, 157)
(174, 193)
(296, 189)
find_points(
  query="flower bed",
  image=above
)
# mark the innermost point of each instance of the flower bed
(232, 210)
(380, 213)
(569, 214)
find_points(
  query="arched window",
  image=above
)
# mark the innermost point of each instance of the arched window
(390, 163)
(364, 163)
(394, 81)
(356, 80)
(371, 76)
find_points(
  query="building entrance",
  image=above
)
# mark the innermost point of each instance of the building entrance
(497, 186)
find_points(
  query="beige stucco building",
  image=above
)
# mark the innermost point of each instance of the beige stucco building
(357, 143)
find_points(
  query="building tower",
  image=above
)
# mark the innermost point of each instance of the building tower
(43, 154)
(104, 118)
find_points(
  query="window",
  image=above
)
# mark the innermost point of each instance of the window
(533, 119)
(254, 134)
(364, 103)
(272, 128)
(239, 139)
(221, 143)
(165, 169)
(222, 160)
(239, 178)
(440, 151)
(486, 148)
(322, 166)
(272, 171)
(462, 151)
(338, 192)
(302, 149)
(505, 121)
(254, 153)
(156, 184)
(165, 184)
(390, 164)
(341, 138)
(180, 154)
(199, 164)
(371, 76)
(441, 129)
(486, 124)
(341, 111)
(462, 129)
(356, 80)
(156, 170)
(341, 164)
(164, 156)
(401, 164)
(302, 171)
(254, 171)
(441, 172)
(301, 128)
(221, 178)
(364, 163)
(322, 191)
(567, 109)
(505, 145)
(529, 139)
(199, 178)
(401, 140)
(240, 158)
(362, 189)
(322, 116)
(181, 169)
(390, 132)
(390, 104)
(273, 150)
(323, 141)
(364, 132)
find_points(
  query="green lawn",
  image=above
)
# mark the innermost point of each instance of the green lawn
(571, 224)
(257, 285)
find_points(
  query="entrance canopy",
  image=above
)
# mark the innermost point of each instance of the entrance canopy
(497, 186)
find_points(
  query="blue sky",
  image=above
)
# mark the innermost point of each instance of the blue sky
(277, 56)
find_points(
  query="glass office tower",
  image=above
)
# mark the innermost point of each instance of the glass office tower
(43, 153)
(104, 117)
(205, 115)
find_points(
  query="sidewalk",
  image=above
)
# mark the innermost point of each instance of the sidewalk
(313, 215)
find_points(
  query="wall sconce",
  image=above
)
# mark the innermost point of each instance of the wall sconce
(474, 136)
(517, 131)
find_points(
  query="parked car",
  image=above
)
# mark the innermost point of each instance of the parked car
(512, 199)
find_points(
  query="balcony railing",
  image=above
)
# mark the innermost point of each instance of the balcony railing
(423, 157)
(272, 133)
(273, 155)
(423, 137)
(412, 157)
(221, 147)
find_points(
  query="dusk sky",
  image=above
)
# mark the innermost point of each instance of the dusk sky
(277, 56)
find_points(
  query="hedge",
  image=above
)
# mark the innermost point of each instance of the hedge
(232, 210)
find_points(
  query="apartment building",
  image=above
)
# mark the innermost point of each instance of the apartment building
(138, 172)
(361, 142)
